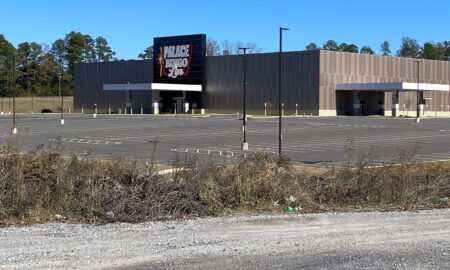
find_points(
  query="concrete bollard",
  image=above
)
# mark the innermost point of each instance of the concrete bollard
(82, 110)
(282, 109)
(296, 109)
(142, 109)
(265, 108)
(155, 107)
(69, 110)
(131, 110)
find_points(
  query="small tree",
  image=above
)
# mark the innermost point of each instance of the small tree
(430, 51)
(344, 47)
(366, 50)
(312, 46)
(330, 45)
(385, 48)
(147, 54)
(409, 48)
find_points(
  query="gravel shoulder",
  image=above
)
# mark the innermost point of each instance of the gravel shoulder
(388, 240)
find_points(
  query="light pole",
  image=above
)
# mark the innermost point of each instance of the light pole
(14, 126)
(419, 96)
(280, 136)
(244, 119)
(60, 73)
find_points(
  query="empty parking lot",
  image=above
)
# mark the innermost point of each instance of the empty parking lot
(307, 140)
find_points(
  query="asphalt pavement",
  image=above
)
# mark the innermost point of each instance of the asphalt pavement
(316, 141)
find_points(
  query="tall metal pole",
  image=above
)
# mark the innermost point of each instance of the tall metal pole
(14, 126)
(280, 135)
(60, 92)
(244, 119)
(418, 91)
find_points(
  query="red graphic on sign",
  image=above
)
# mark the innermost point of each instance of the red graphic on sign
(175, 61)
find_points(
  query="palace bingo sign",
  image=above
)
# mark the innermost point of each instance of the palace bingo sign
(179, 59)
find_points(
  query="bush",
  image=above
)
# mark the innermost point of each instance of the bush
(41, 185)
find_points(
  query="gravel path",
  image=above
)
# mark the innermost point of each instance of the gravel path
(392, 240)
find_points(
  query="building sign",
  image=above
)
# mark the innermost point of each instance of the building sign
(175, 61)
(179, 59)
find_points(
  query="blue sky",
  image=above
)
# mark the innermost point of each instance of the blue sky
(130, 25)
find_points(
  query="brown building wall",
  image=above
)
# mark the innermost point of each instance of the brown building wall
(341, 67)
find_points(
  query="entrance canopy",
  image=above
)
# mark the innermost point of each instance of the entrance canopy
(392, 86)
(152, 86)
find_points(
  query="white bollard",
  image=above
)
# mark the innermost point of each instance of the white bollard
(131, 110)
(62, 121)
(14, 130)
(155, 108)
(265, 108)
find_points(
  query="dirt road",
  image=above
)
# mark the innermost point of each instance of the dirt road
(393, 240)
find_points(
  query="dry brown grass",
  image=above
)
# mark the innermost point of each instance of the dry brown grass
(42, 185)
(27, 104)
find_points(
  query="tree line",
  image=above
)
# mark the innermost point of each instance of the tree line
(38, 66)
(409, 47)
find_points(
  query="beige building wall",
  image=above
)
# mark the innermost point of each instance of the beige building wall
(342, 67)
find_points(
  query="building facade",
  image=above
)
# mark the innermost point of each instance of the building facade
(181, 79)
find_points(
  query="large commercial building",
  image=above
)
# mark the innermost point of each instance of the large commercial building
(182, 78)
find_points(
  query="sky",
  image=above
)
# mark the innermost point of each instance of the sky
(130, 25)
